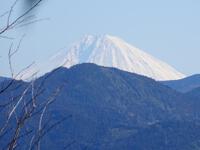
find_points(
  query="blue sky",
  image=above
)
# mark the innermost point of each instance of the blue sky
(169, 30)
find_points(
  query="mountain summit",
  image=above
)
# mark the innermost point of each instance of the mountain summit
(110, 51)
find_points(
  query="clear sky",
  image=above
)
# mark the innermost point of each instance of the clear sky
(168, 30)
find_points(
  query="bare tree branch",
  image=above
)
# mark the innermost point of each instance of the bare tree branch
(16, 20)
(20, 110)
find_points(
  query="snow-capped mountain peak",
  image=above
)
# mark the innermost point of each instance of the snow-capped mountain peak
(112, 51)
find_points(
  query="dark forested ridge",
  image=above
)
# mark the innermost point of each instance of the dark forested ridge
(184, 85)
(2, 79)
(194, 93)
(113, 109)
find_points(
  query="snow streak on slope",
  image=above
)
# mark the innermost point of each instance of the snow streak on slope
(111, 51)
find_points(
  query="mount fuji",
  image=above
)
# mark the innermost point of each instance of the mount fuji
(110, 51)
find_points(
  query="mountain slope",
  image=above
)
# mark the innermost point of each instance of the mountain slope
(111, 51)
(184, 85)
(108, 106)
(194, 93)
(2, 79)
(167, 135)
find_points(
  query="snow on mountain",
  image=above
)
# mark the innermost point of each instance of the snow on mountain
(110, 51)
